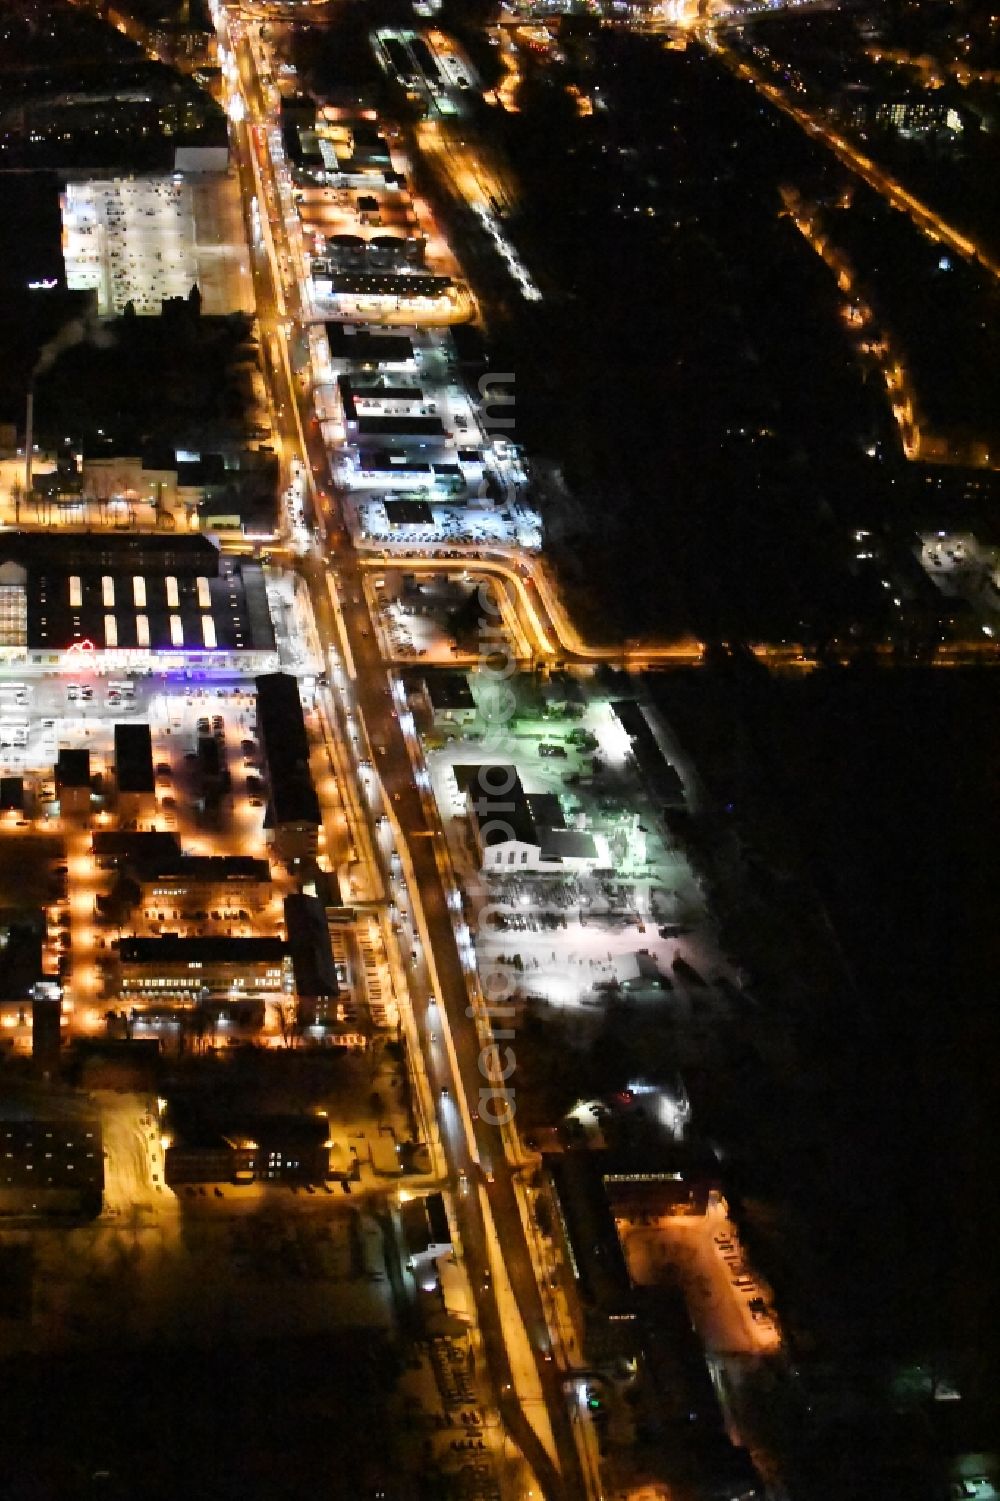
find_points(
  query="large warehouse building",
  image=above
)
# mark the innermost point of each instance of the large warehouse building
(130, 602)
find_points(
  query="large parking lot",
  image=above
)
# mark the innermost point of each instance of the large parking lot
(730, 1306)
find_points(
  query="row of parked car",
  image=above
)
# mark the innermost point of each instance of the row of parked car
(743, 1280)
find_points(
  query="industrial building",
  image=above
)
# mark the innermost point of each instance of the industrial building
(347, 252)
(591, 1192)
(130, 602)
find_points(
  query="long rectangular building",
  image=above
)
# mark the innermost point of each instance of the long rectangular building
(131, 601)
(194, 881)
(191, 969)
(293, 814)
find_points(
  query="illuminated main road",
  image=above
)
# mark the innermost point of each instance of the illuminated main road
(486, 1203)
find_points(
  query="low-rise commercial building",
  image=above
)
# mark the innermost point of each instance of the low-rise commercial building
(425, 1227)
(515, 832)
(408, 515)
(369, 349)
(191, 970)
(449, 698)
(267, 1148)
(189, 884)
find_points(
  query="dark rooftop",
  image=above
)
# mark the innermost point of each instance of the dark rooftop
(11, 794)
(448, 690)
(408, 512)
(73, 768)
(214, 950)
(309, 941)
(406, 427)
(502, 806)
(368, 348)
(286, 750)
(139, 847)
(134, 758)
(200, 868)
